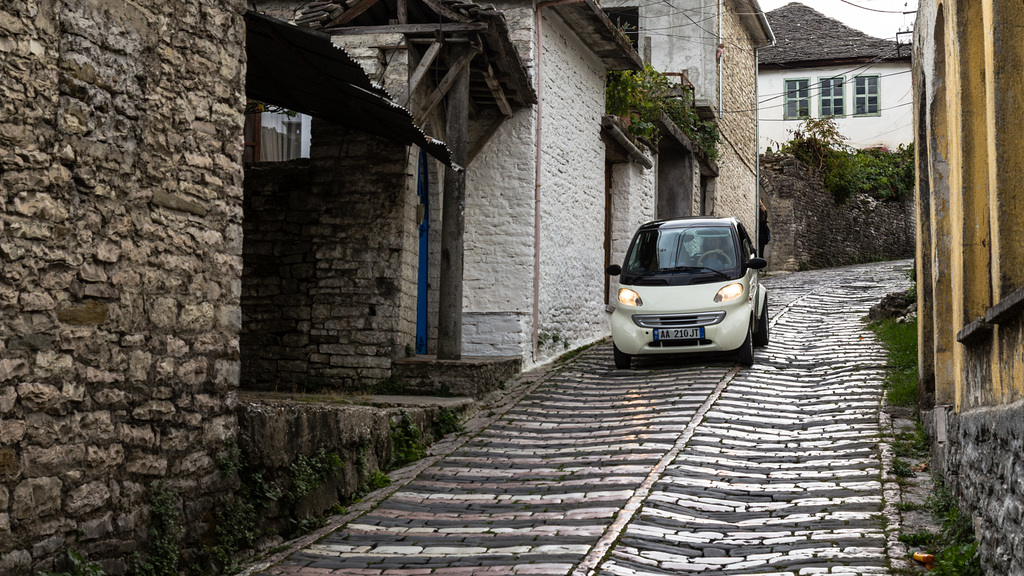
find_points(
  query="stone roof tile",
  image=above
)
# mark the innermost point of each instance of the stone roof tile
(805, 35)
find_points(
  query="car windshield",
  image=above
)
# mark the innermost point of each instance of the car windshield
(704, 249)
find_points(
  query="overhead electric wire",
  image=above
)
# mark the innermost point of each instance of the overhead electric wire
(877, 9)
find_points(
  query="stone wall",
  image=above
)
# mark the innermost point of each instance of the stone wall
(810, 230)
(572, 193)
(985, 466)
(737, 151)
(632, 204)
(329, 288)
(120, 266)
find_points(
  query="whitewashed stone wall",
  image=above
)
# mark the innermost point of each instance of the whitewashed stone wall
(632, 204)
(736, 186)
(120, 266)
(500, 206)
(572, 190)
(499, 263)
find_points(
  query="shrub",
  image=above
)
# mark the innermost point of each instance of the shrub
(643, 96)
(848, 172)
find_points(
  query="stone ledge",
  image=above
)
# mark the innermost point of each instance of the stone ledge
(473, 376)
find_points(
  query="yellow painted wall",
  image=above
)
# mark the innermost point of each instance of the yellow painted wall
(970, 94)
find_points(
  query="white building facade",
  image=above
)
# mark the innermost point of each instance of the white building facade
(548, 205)
(709, 47)
(822, 68)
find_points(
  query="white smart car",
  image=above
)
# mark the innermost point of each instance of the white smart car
(689, 286)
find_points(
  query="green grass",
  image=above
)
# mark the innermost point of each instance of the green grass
(900, 340)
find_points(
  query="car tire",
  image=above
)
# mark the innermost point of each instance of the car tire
(622, 360)
(745, 353)
(761, 336)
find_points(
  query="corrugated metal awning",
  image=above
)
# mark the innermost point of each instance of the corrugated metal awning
(302, 70)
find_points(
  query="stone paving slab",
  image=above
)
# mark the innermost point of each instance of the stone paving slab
(675, 467)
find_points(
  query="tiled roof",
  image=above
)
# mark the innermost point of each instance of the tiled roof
(805, 35)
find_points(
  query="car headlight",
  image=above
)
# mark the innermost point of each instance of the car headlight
(629, 297)
(730, 292)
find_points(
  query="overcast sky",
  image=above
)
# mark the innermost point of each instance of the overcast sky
(862, 14)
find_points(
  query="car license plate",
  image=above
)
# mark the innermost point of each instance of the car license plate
(679, 333)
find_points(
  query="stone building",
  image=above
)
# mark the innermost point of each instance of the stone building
(147, 276)
(819, 68)
(970, 268)
(711, 47)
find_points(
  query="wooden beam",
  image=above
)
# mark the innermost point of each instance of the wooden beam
(453, 215)
(406, 29)
(499, 94)
(350, 14)
(418, 74)
(403, 12)
(462, 64)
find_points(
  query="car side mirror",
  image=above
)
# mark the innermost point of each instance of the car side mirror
(614, 270)
(756, 263)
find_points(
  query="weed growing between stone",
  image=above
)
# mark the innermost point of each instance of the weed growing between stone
(406, 442)
(243, 519)
(164, 533)
(77, 565)
(953, 545)
(448, 421)
(900, 339)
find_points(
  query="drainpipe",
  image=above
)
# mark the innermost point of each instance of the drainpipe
(757, 156)
(537, 171)
(718, 46)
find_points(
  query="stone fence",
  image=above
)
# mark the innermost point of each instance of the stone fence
(809, 229)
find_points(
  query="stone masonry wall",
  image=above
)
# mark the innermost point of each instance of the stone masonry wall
(737, 169)
(809, 230)
(632, 204)
(120, 265)
(572, 194)
(329, 288)
(985, 465)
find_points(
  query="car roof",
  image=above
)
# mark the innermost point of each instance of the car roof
(691, 222)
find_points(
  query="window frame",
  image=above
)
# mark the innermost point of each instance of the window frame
(841, 98)
(877, 95)
(787, 98)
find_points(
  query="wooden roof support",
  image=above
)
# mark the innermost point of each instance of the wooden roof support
(461, 65)
(499, 94)
(407, 29)
(453, 212)
(419, 73)
(351, 14)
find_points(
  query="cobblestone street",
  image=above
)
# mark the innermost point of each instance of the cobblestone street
(675, 466)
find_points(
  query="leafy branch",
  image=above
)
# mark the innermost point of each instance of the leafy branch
(643, 96)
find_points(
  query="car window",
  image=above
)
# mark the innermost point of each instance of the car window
(682, 250)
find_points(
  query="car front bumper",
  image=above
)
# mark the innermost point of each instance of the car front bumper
(726, 335)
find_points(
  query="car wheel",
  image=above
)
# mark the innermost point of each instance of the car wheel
(622, 360)
(761, 336)
(745, 353)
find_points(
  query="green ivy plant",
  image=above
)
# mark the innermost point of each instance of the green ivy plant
(406, 442)
(642, 96)
(165, 531)
(77, 565)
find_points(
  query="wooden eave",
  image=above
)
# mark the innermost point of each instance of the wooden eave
(302, 70)
(828, 63)
(671, 135)
(498, 77)
(591, 24)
